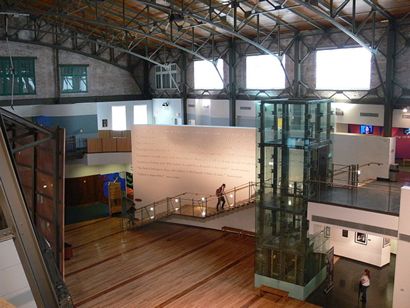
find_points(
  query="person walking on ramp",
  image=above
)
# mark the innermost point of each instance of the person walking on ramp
(220, 193)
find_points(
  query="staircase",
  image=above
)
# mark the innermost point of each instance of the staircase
(31, 206)
(194, 205)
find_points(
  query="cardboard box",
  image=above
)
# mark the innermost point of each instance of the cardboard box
(104, 134)
(94, 145)
(109, 145)
(124, 144)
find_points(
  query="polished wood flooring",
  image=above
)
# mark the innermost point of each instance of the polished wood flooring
(162, 265)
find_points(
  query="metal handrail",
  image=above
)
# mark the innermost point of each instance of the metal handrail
(349, 173)
(331, 184)
(173, 205)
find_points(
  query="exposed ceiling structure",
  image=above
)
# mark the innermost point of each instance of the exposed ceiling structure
(145, 27)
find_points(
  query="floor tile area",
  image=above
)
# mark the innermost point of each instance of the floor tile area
(345, 291)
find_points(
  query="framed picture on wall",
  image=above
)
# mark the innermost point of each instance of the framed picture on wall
(327, 231)
(386, 242)
(345, 233)
(360, 238)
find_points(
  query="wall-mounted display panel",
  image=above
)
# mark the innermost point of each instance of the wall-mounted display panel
(169, 160)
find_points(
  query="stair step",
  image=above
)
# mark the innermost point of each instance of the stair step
(265, 289)
(238, 231)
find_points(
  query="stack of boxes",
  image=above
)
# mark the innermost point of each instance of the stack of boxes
(110, 141)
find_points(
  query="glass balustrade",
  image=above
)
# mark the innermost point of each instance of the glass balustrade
(192, 205)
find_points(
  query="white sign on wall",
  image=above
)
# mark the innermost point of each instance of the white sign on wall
(169, 160)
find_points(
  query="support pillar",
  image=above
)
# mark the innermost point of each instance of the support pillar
(297, 67)
(57, 76)
(389, 84)
(146, 88)
(184, 92)
(232, 83)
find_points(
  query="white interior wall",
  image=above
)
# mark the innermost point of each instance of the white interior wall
(14, 286)
(242, 219)
(351, 113)
(372, 253)
(248, 108)
(200, 113)
(357, 216)
(341, 128)
(61, 110)
(220, 112)
(362, 149)
(167, 111)
(246, 113)
(79, 109)
(107, 158)
(393, 246)
(169, 160)
(401, 119)
(401, 293)
(75, 171)
(104, 112)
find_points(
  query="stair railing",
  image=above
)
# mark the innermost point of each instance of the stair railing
(348, 175)
(194, 204)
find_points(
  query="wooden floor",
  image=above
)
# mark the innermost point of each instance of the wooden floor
(162, 265)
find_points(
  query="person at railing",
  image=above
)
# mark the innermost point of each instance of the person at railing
(220, 194)
(131, 214)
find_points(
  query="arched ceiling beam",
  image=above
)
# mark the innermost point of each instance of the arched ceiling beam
(73, 49)
(379, 9)
(203, 19)
(121, 28)
(325, 16)
(307, 19)
(130, 21)
(256, 10)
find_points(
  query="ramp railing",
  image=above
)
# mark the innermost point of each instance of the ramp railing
(193, 205)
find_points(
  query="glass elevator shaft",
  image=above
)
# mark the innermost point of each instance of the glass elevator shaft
(294, 159)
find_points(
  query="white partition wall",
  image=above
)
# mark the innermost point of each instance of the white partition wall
(167, 111)
(14, 286)
(401, 293)
(358, 114)
(362, 149)
(104, 112)
(169, 160)
(354, 233)
(370, 249)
